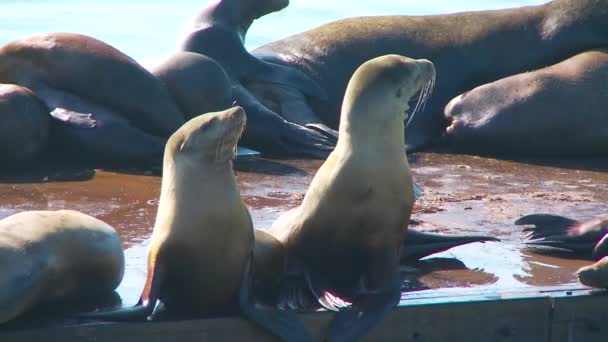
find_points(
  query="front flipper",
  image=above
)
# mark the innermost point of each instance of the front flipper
(82, 120)
(287, 76)
(291, 104)
(419, 244)
(284, 324)
(381, 292)
(367, 310)
(268, 132)
(144, 307)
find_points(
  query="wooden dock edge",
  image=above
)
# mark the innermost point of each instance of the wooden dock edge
(545, 317)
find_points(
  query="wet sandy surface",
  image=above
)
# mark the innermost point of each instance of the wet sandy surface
(463, 195)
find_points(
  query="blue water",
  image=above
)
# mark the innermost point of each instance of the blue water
(147, 29)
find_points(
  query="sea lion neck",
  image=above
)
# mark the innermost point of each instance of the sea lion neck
(231, 13)
(372, 134)
(185, 183)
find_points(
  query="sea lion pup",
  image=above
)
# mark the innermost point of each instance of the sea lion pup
(197, 83)
(201, 251)
(595, 275)
(527, 114)
(468, 49)
(559, 235)
(219, 32)
(347, 234)
(55, 256)
(104, 105)
(24, 125)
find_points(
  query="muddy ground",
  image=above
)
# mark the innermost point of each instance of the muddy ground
(462, 195)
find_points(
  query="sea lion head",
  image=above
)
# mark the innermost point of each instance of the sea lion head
(383, 87)
(260, 8)
(207, 138)
(595, 275)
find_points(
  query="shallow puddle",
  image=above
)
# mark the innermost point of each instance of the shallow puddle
(462, 195)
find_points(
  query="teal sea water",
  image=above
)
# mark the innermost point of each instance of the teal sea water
(147, 29)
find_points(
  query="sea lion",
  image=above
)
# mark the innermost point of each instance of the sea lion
(527, 114)
(595, 275)
(25, 125)
(349, 229)
(468, 49)
(563, 236)
(197, 83)
(55, 256)
(219, 32)
(98, 96)
(201, 250)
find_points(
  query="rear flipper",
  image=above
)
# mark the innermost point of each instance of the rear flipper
(284, 324)
(268, 132)
(367, 309)
(559, 235)
(419, 244)
(545, 225)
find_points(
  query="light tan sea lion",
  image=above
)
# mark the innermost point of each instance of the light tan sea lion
(24, 125)
(595, 275)
(347, 234)
(55, 255)
(201, 251)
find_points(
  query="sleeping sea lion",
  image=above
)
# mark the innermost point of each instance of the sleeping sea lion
(24, 125)
(105, 106)
(468, 49)
(55, 256)
(531, 113)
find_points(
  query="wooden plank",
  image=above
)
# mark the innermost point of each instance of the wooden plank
(581, 319)
(490, 320)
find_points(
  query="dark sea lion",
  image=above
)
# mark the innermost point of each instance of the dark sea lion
(102, 97)
(532, 113)
(595, 275)
(93, 70)
(559, 235)
(202, 247)
(55, 256)
(219, 32)
(197, 83)
(468, 49)
(346, 236)
(24, 125)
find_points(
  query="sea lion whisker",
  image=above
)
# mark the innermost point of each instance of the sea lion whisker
(420, 99)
